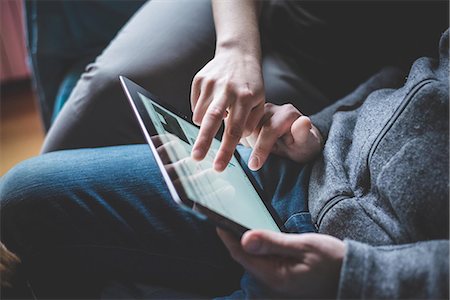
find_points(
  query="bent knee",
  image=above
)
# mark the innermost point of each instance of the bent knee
(22, 190)
(31, 183)
(31, 199)
(22, 182)
(97, 85)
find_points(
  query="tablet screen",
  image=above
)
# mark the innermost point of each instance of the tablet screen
(229, 193)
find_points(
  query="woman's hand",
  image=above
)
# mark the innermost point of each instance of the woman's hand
(300, 265)
(230, 84)
(283, 130)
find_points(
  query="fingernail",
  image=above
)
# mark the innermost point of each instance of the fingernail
(196, 153)
(254, 163)
(253, 245)
(219, 166)
(195, 120)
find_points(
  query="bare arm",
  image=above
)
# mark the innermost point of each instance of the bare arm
(237, 27)
(231, 82)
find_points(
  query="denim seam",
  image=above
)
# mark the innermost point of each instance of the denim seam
(295, 215)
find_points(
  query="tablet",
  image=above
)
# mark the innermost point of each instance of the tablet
(230, 199)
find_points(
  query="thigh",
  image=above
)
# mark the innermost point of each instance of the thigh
(75, 216)
(161, 48)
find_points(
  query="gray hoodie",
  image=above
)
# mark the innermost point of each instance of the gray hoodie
(382, 182)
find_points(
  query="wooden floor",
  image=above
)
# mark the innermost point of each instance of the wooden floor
(21, 131)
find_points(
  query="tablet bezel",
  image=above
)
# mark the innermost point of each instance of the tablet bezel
(132, 91)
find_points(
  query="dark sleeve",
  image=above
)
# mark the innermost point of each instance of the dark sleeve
(419, 270)
(386, 78)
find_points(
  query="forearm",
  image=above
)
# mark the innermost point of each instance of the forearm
(231, 82)
(237, 27)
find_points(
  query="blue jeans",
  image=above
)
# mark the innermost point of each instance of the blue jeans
(80, 218)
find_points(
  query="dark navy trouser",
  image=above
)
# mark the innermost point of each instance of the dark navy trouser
(80, 218)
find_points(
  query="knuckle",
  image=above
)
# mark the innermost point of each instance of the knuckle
(198, 79)
(215, 114)
(209, 81)
(270, 129)
(245, 93)
(234, 131)
(293, 115)
(268, 106)
(290, 112)
(289, 106)
(291, 109)
(230, 87)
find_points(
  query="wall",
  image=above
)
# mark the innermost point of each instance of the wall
(12, 42)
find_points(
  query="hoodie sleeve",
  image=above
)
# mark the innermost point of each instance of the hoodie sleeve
(387, 78)
(419, 270)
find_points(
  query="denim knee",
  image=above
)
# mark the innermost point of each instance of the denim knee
(29, 193)
(18, 187)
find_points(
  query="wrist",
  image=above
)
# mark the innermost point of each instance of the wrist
(247, 51)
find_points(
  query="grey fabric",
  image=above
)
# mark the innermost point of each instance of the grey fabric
(416, 271)
(382, 183)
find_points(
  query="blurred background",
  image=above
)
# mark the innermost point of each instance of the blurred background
(45, 46)
(21, 131)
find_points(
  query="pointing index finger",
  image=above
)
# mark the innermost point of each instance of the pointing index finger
(210, 125)
(234, 128)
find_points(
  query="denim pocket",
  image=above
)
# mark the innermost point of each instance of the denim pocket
(300, 223)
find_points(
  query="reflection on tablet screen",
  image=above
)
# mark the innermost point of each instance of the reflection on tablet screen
(229, 193)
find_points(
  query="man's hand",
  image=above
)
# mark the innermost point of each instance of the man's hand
(283, 130)
(301, 265)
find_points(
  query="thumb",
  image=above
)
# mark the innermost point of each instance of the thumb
(264, 242)
(300, 129)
